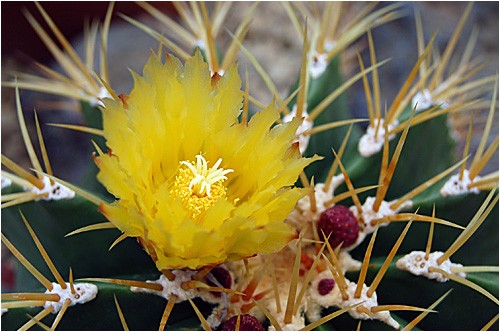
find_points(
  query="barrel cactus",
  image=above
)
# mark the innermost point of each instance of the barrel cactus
(203, 207)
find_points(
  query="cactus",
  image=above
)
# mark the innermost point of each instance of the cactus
(210, 209)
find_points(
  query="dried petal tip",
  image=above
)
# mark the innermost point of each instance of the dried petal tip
(341, 224)
(247, 323)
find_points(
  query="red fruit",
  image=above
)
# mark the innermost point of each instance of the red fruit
(247, 323)
(325, 286)
(341, 224)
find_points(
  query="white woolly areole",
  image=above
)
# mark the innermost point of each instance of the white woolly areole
(416, 263)
(368, 215)
(84, 293)
(200, 43)
(329, 45)
(304, 126)
(6, 182)
(347, 263)
(54, 191)
(171, 287)
(319, 63)
(103, 93)
(298, 323)
(424, 100)
(368, 144)
(454, 186)
(384, 210)
(334, 299)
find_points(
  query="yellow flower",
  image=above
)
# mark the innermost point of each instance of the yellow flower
(196, 186)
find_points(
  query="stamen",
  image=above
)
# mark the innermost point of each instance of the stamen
(199, 187)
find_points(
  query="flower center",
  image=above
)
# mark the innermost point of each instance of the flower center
(198, 186)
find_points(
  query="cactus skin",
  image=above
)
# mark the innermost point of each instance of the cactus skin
(87, 253)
